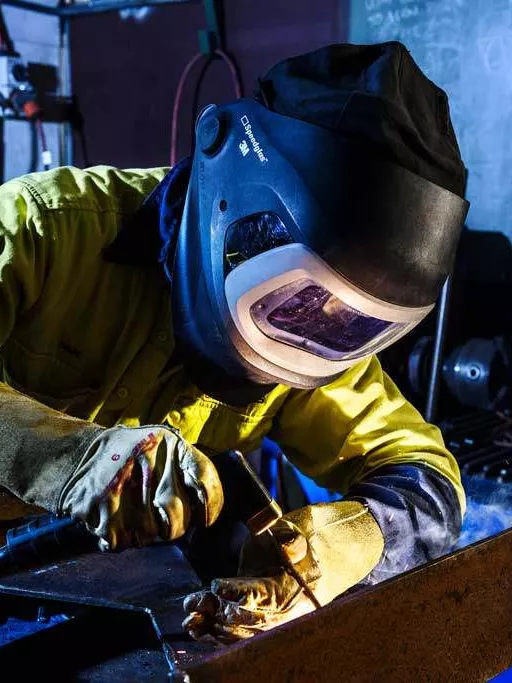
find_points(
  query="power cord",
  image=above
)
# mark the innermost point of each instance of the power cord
(197, 91)
(32, 111)
(77, 121)
(46, 155)
(237, 84)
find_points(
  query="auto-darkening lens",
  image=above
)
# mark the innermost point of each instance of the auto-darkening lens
(308, 316)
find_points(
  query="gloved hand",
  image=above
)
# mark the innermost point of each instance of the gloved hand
(138, 485)
(332, 546)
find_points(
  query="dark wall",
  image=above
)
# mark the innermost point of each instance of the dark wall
(125, 72)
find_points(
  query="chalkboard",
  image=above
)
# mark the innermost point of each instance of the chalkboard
(465, 46)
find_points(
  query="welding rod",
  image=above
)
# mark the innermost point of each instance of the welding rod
(289, 567)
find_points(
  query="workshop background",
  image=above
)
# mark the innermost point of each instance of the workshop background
(93, 83)
(90, 83)
(37, 40)
(102, 85)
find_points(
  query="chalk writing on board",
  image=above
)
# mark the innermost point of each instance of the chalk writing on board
(386, 19)
(465, 46)
(372, 5)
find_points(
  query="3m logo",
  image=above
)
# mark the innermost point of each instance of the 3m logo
(244, 148)
(254, 142)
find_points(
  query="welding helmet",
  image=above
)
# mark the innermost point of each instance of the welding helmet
(305, 247)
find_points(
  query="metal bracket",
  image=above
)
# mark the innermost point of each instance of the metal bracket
(213, 36)
(76, 9)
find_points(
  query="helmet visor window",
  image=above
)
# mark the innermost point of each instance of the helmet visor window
(308, 316)
(253, 235)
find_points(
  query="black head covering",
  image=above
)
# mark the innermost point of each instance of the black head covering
(377, 94)
(354, 154)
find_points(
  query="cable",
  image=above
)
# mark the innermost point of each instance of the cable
(237, 84)
(77, 122)
(32, 111)
(235, 74)
(197, 90)
(177, 104)
(46, 155)
(84, 148)
(34, 151)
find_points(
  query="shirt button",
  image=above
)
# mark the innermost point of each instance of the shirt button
(122, 392)
(162, 336)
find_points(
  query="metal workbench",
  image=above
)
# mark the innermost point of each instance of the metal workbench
(117, 617)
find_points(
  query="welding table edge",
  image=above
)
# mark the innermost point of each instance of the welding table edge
(72, 605)
(419, 626)
(450, 619)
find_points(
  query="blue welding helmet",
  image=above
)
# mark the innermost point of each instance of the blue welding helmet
(303, 250)
(299, 253)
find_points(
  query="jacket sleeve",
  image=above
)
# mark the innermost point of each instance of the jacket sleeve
(417, 511)
(39, 447)
(360, 437)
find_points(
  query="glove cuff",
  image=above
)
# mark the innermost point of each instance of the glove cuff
(40, 447)
(345, 541)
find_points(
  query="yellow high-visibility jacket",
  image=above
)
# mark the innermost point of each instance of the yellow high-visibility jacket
(93, 340)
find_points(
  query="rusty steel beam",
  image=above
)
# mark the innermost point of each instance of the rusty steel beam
(82, 7)
(450, 620)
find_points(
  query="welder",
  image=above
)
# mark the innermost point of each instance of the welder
(153, 318)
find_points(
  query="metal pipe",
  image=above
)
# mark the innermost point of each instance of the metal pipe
(489, 454)
(484, 452)
(64, 68)
(497, 469)
(437, 356)
(80, 9)
(87, 8)
(2, 150)
(32, 6)
(474, 464)
(461, 425)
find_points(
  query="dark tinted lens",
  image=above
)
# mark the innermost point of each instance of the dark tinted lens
(313, 314)
(251, 236)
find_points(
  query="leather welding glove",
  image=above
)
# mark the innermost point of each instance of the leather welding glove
(135, 486)
(331, 547)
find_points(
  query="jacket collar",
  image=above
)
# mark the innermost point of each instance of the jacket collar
(150, 234)
(145, 240)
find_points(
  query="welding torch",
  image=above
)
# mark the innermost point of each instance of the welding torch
(48, 536)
